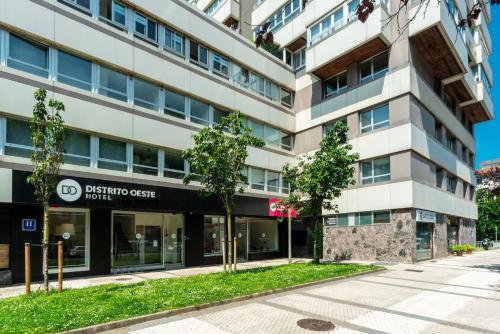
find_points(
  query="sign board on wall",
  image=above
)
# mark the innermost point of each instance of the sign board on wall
(426, 216)
(28, 225)
(278, 210)
(331, 221)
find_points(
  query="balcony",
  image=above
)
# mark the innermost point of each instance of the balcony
(230, 9)
(349, 43)
(435, 37)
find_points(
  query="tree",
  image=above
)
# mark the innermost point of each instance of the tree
(47, 137)
(217, 160)
(319, 178)
(488, 206)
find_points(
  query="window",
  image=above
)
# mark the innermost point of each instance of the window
(198, 54)
(263, 235)
(299, 59)
(76, 148)
(335, 85)
(352, 7)
(257, 178)
(174, 104)
(451, 183)
(112, 155)
(376, 217)
(375, 67)
(174, 164)
(146, 28)
(283, 15)
(199, 112)
(146, 94)
(113, 11)
(74, 71)
(273, 181)
(257, 130)
(27, 56)
(174, 42)
(240, 75)
(145, 160)
(342, 220)
(214, 234)
(214, 6)
(375, 119)
(286, 98)
(285, 186)
(286, 141)
(257, 83)
(331, 125)
(272, 136)
(18, 138)
(272, 91)
(218, 115)
(450, 141)
(84, 4)
(113, 84)
(374, 171)
(72, 228)
(220, 65)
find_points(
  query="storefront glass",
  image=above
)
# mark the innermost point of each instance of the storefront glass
(263, 235)
(173, 237)
(424, 241)
(213, 234)
(70, 227)
(241, 234)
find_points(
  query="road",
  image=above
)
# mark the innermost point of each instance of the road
(453, 295)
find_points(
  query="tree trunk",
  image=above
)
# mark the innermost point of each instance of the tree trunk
(229, 241)
(45, 248)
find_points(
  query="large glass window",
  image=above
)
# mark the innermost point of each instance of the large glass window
(85, 4)
(273, 179)
(213, 234)
(240, 75)
(199, 112)
(113, 84)
(112, 155)
(74, 71)
(352, 7)
(174, 164)
(70, 227)
(375, 217)
(113, 11)
(76, 148)
(146, 94)
(258, 178)
(272, 91)
(220, 64)
(374, 171)
(257, 83)
(263, 235)
(272, 136)
(375, 119)
(174, 41)
(18, 138)
(145, 27)
(218, 115)
(374, 67)
(27, 56)
(335, 85)
(257, 130)
(174, 104)
(198, 54)
(145, 159)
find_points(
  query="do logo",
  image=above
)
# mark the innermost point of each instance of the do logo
(69, 190)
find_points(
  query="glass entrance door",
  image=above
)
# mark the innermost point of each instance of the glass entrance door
(173, 236)
(241, 235)
(424, 241)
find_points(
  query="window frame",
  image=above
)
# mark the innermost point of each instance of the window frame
(175, 36)
(221, 61)
(7, 144)
(166, 170)
(221, 231)
(100, 86)
(180, 113)
(371, 127)
(78, 156)
(144, 103)
(373, 75)
(77, 80)
(372, 177)
(112, 161)
(146, 27)
(339, 90)
(136, 166)
(36, 44)
(198, 48)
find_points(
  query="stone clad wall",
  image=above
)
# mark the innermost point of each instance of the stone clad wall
(394, 242)
(467, 232)
(440, 239)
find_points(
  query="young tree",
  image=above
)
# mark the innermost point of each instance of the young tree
(318, 179)
(217, 159)
(47, 136)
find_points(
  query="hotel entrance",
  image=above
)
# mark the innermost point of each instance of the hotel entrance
(146, 241)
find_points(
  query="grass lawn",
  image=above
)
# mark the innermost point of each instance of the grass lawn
(77, 308)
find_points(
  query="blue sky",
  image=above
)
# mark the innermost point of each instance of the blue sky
(488, 133)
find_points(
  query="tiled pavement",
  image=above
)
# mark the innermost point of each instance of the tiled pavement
(453, 295)
(76, 283)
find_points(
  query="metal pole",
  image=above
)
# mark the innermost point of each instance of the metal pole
(224, 254)
(289, 236)
(59, 266)
(235, 253)
(27, 267)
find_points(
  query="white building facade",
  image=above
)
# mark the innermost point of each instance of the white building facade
(139, 78)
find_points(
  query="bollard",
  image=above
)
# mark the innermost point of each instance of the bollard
(59, 266)
(235, 252)
(224, 254)
(27, 267)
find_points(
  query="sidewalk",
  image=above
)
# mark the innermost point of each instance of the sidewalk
(78, 283)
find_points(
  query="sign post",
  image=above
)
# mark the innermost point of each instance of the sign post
(59, 266)
(27, 267)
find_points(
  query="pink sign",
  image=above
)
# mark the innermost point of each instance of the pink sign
(276, 209)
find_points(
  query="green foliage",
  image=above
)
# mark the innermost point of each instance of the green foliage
(47, 136)
(469, 248)
(38, 313)
(488, 214)
(459, 248)
(218, 157)
(318, 179)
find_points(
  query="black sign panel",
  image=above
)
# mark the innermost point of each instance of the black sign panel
(89, 193)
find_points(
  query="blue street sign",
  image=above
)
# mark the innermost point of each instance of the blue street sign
(29, 225)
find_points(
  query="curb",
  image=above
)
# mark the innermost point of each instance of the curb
(170, 313)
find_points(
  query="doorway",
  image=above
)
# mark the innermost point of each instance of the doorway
(424, 241)
(241, 234)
